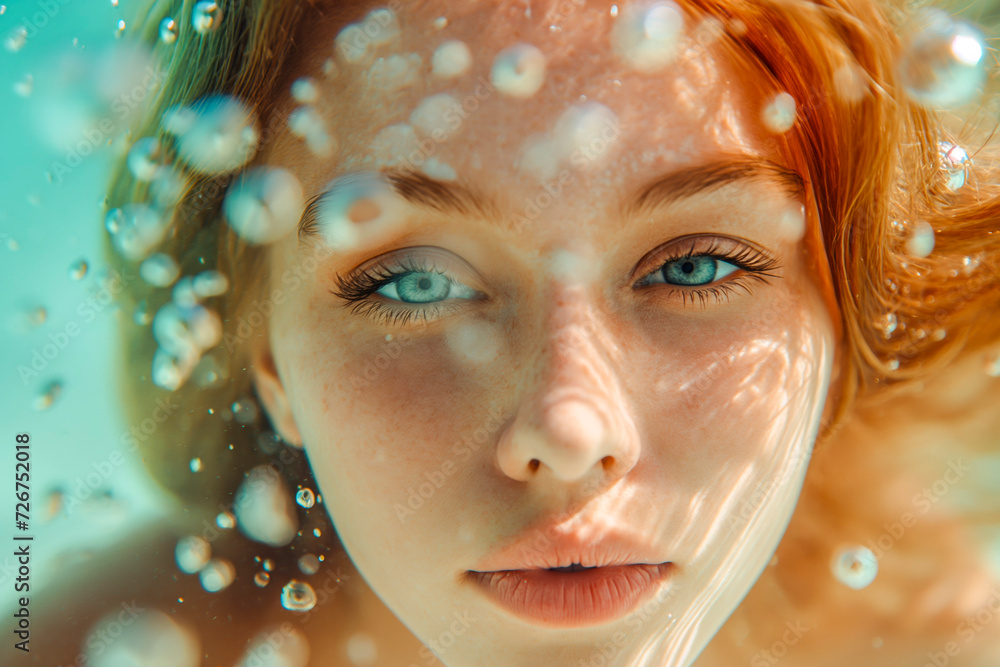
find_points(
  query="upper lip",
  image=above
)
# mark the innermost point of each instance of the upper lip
(592, 545)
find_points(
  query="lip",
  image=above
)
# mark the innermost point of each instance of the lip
(623, 573)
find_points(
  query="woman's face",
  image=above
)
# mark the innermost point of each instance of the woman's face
(581, 326)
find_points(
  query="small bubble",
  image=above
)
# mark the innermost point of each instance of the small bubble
(206, 17)
(217, 575)
(159, 270)
(168, 30)
(298, 596)
(920, 242)
(16, 40)
(942, 64)
(141, 315)
(121, 28)
(614, 11)
(649, 34)
(304, 90)
(992, 364)
(269, 442)
(261, 579)
(192, 553)
(855, 567)
(225, 520)
(451, 59)
(37, 316)
(954, 162)
(24, 87)
(268, 565)
(519, 71)
(877, 642)
(78, 269)
(779, 114)
(196, 465)
(892, 364)
(47, 397)
(244, 411)
(144, 158)
(361, 650)
(309, 564)
(440, 23)
(317, 532)
(305, 498)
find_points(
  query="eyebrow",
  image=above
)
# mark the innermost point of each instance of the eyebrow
(458, 198)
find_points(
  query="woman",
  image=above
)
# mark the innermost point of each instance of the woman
(547, 307)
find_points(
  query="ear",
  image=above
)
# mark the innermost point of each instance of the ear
(271, 392)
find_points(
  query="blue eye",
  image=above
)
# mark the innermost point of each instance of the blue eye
(424, 287)
(692, 271)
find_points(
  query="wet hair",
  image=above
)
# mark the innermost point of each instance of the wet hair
(873, 166)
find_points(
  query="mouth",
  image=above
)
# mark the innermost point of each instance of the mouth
(572, 596)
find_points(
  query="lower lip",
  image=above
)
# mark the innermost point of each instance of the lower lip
(571, 599)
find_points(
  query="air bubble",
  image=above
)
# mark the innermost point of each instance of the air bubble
(261, 579)
(37, 316)
(305, 498)
(217, 575)
(264, 205)
(431, 117)
(395, 72)
(440, 23)
(24, 87)
(196, 465)
(136, 229)
(920, 242)
(942, 64)
(362, 198)
(244, 411)
(141, 314)
(892, 364)
(308, 124)
(144, 158)
(648, 35)
(855, 567)
(361, 650)
(394, 145)
(264, 508)
(268, 442)
(451, 59)
(78, 269)
(519, 71)
(206, 17)
(779, 114)
(217, 134)
(16, 40)
(209, 283)
(309, 564)
(159, 270)
(268, 565)
(168, 31)
(304, 90)
(298, 596)
(225, 520)
(438, 170)
(192, 554)
(954, 162)
(992, 364)
(886, 324)
(47, 397)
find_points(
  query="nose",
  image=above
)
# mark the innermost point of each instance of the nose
(575, 417)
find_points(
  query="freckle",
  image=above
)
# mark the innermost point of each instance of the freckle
(519, 71)
(451, 59)
(432, 115)
(477, 343)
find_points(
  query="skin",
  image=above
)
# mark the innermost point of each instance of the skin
(688, 422)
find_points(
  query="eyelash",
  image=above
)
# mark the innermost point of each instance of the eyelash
(358, 289)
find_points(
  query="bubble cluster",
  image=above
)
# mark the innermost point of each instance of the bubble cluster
(855, 567)
(584, 135)
(192, 554)
(264, 204)
(519, 71)
(943, 62)
(183, 333)
(395, 145)
(355, 42)
(395, 72)
(306, 122)
(451, 59)
(886, 324)
(264, 510)
(298, 596)
(433, 116)
(217, 575)
(305, 498)
(215, 135)
(648, 35)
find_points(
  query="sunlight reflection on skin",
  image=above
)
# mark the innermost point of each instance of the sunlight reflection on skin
(700, 407)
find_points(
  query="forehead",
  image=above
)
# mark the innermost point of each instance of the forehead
(385, 80)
